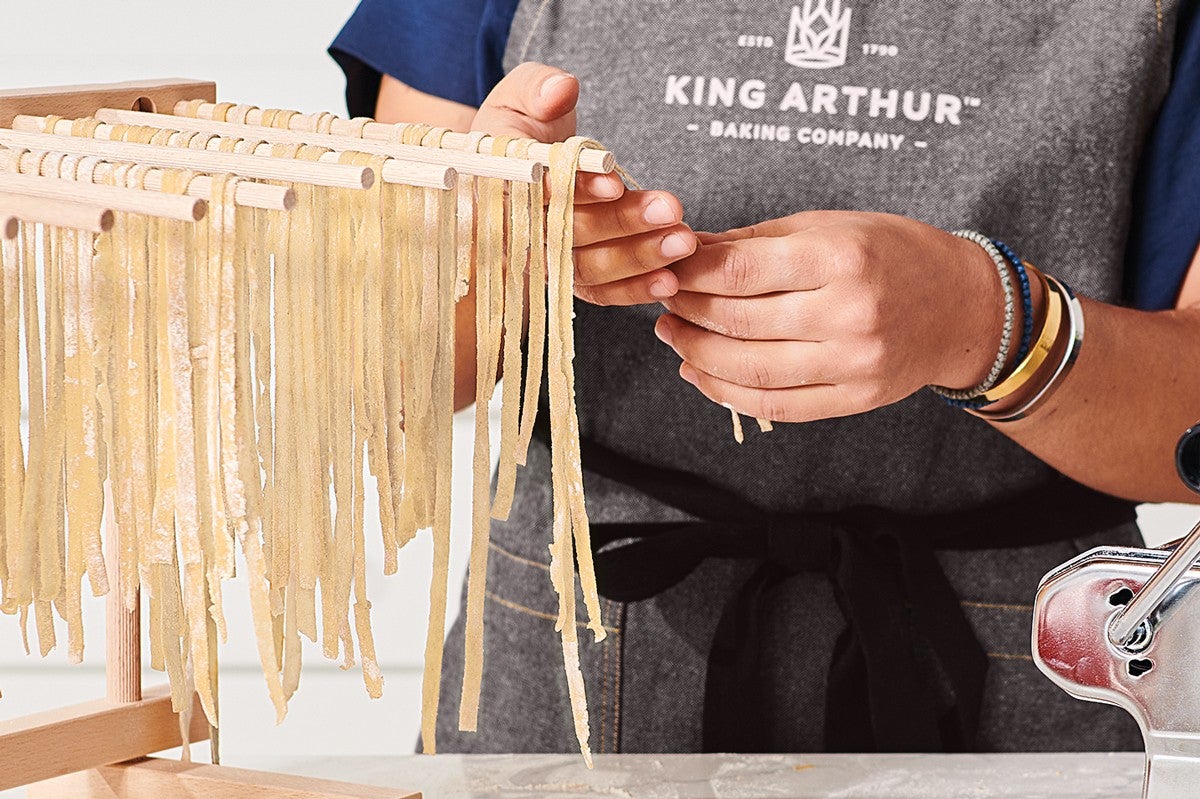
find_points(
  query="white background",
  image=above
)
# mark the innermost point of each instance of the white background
(272, 54)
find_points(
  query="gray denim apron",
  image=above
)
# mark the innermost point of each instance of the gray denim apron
(819, 543)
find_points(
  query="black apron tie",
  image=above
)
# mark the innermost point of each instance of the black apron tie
(907, 672)
(891, 591)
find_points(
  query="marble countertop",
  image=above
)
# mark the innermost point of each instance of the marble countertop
(1019, 776)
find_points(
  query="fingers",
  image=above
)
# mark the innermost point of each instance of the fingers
(634, 255)
(803, 404)
(635, 212)
(793, 315)
(594, 188)
(782, 226)
(638, 290)
(533, 101)
(754, 364)
(753, 266)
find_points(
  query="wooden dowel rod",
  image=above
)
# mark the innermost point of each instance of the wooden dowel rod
(596, 161)
(589, 160)
(9, 226)
(57, 212)
(413, 173)
(122, 626)
(252, 195)
(489, 166)
(342, 176)
(137, 201)
(430, 176)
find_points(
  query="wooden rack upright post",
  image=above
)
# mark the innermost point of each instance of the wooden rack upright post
(100, 749)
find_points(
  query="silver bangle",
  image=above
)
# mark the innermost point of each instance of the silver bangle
(1003, 268)
(1070, 355)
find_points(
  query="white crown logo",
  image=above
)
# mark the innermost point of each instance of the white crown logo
(817, 36)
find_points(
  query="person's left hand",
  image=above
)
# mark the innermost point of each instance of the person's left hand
(832, 313)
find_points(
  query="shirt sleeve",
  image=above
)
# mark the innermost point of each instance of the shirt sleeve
(1165, 228)
(448, 48)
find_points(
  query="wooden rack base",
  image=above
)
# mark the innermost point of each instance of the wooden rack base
(59, 741)
(97, 750)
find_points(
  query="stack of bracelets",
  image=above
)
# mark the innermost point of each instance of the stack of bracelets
(1032, 373)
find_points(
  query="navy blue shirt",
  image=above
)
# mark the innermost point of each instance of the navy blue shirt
(396, 37)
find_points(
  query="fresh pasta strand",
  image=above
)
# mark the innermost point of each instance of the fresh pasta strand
(418, 298)
(489, 302)
(12, 456)
(345, 433)
(566, 477)
(312, 486)
(49, 578)
(95, 328)
(360, 433)
(182, 311)
(443, 397)
(369, 245)
(563, 184)
(20, 589)
(132, 403)
(519, 230)
(435, 631)
(738, 435)
(537, 311)
(69, 601)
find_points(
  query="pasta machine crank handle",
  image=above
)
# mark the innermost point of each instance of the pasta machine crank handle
(1133, 624)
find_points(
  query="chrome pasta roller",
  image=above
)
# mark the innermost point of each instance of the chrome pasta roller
(1122, 626)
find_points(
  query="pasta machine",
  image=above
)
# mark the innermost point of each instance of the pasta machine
(1122, 626)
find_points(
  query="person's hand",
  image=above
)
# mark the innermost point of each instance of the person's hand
(827, 313)
(623, 239)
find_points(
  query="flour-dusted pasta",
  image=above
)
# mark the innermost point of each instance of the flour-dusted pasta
(235, 385)
(519, 227)
(489, 316)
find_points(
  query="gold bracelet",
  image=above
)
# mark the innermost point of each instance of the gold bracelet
(1038, 353)
(1074, 336)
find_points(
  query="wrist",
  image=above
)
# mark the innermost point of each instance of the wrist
(976, 314)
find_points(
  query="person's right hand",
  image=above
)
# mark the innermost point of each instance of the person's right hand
(624, 239)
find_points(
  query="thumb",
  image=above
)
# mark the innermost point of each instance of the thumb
(534, 101)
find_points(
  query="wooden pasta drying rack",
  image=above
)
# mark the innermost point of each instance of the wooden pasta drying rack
(101, 748)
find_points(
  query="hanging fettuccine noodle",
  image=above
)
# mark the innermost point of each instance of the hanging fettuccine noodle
(228, 384)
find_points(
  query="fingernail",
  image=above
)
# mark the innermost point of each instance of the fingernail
(659, 212)
(663, 329)
(549, 83)
(607, 188)
(659, 290)
(676, 245)
(687, 373)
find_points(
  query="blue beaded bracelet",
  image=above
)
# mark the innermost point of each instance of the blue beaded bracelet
(1026, 299)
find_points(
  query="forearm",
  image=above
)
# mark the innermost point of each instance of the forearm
(464, 351)
(1114, 422)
